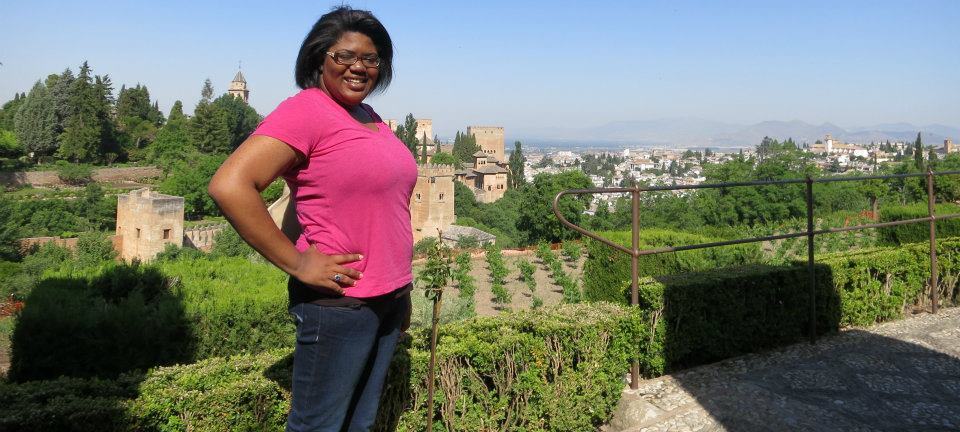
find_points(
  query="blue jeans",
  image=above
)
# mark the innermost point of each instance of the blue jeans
(340, 364)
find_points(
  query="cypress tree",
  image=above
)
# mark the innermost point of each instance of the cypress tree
(209, 126)
(89, 129)
(35, 123)
(918, 153)
(176, 112)
(517, 160)
(423, 152)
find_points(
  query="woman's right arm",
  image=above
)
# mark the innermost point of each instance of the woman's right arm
(236, 189)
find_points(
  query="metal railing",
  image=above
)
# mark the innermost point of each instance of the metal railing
(635, 252)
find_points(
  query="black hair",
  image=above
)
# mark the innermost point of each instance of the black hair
(328, 30)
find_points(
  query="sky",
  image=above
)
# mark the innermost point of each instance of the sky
(530, 66)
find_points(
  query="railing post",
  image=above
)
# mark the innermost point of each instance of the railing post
(811, 270)
(934, 271)
(634, 278)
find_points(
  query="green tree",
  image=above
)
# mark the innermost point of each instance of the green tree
(88, 133)
(173, 143)
(464, 146)
(8, 111)
(176, 112)
(9, 230)
(407, 133)
(228, 243)
(9, 146)
(36, 123)
(918, 153)
(536, 214)
(242, 119)
(441, 158)
(190, 181)
(423, 150)
(517, 160)
(61, 91)
(209, 127)
(464, 201)
(138, 119)
(135, 103)
(94, 248)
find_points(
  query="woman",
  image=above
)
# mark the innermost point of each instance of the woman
(350, 269)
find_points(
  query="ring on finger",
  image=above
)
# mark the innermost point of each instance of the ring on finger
(337, 277)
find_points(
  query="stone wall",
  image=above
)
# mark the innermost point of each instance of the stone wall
(201, 237)
(26, 244)
(103, 175)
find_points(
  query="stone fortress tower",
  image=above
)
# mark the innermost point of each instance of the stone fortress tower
(490, 140)
(238, 88)
(425, 128)
(147, 222)
(431, 205)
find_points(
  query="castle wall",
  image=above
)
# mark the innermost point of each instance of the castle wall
(201, 237)
(432, 202)
(490, 140)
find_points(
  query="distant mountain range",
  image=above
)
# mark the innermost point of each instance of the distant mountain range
(693, 133)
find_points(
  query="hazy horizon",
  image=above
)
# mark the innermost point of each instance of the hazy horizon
(533, 66)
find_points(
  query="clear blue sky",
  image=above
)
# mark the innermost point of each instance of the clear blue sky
(527, 65)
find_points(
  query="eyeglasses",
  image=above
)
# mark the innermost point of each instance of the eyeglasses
(349, 58)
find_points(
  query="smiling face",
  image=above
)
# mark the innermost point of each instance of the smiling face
(349, 84)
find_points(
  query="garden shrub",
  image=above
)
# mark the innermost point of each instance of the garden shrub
(571, 250)
(424, 245)
(607, 270)
(93, 248)
(126, 317)
(228, 243)
(70, 326)
(919, 231)
(74, 173)
(558, 369)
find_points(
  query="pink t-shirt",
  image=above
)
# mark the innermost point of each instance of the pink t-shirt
(353, 192)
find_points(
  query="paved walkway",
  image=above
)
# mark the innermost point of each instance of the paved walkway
(897, 376)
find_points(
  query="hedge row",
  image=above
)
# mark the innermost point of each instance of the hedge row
(606, 270)
(114, 318)
(560, 369)
(706, 316)
(916, 232)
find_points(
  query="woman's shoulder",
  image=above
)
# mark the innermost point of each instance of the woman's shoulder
(306, 104)
(369, 109)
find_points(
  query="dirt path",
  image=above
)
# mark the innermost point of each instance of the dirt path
(547, 290)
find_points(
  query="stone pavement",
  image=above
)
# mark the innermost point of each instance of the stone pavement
(898, 376)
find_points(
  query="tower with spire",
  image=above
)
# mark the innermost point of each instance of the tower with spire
(238, 87)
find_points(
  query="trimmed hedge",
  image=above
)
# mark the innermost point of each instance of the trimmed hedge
(607, 270)
(882, 284)
(117, 317)
(701, 317)
(708, 316)
(560, 370)
(916, 232)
